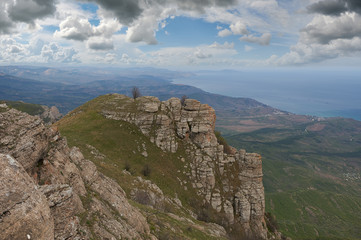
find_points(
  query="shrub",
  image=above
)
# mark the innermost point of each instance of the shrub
(271, 222)
(136, 93)
(183, 100)
(127, 166)
(146, 170)
(220, 139)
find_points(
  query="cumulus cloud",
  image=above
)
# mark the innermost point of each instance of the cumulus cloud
(239, 28)
(29, 10)
(128, 11)
(201, 5)
(308, 53)
(54, 53)
(335, 7)
(326, 37)
(79, 29)
(26, 11)
(324, 29)
(37, 50)
(5, 22)
(224, 33)
(328, 7)
(101, 44)
(264, 39)
(144, 29)
(75, 28)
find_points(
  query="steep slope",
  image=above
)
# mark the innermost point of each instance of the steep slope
(48, 115)
(50, 191)
(175, 147)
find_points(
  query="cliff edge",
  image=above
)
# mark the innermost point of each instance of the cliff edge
(155, 171)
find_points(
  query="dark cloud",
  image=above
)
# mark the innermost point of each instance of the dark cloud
(129, 10)
(5, 25)
(200, 5)
(335, 7)
(125, 10)
(328, 7)
(321, 31)
(29, 10)
(354, 5)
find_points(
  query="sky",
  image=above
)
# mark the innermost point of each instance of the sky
(182, 34)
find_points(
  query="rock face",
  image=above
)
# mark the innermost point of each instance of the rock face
(230, 183)
(51, 114)
(47, 190)
(24, 211)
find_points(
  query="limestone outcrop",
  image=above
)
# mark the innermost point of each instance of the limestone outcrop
(48, 191)
(230, 183)
(50, 115)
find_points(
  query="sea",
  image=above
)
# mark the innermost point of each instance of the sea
(324, 93)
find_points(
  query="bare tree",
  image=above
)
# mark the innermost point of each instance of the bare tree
(183, 99)
(136, 93)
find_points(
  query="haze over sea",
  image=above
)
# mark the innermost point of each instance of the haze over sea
(319, 93)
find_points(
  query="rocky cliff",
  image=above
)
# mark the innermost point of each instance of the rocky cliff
(45, 188)
(230, 183)
(50, 191)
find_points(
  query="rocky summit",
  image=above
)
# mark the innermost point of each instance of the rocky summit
(188, 187)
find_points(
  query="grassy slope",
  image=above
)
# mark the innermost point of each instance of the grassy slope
(304, 177)
(29, 108)
(121, 143)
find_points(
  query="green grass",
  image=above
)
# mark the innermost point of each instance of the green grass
(119, 145)
(304, 179)
(29, 108)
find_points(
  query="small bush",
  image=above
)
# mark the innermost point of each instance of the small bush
(127, 166)
(183, 100)
(136, 93)
(271, 222)
(220, 139)
(146, 170)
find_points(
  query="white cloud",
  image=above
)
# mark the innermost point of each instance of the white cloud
(144, 29)
(36, 51)
(74, 28)
(264, 39)
(100, 44)
(239, 28)
(322, 29)
(225, 45)
(308, 53)
(224, 33)
(325, 37)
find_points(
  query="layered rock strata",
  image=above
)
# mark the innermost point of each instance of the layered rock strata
(230, 183)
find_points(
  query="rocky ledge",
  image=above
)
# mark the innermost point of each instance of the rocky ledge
(45, 188)
(231, 183)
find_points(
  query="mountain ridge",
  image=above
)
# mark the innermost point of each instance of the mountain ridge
(79, 200)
